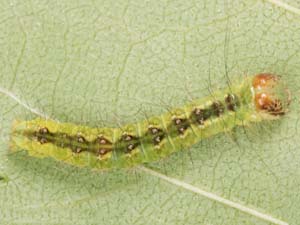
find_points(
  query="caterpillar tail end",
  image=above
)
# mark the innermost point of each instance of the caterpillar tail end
(18, 128)
(271, 96)
(13, 136)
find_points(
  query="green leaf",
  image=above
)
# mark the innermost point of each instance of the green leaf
(103, 63)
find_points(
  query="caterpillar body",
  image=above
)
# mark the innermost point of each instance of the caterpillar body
(256, 98)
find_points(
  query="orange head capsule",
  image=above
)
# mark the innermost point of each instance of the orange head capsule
(271, 95)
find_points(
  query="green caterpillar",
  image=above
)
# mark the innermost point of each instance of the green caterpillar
(256, 98)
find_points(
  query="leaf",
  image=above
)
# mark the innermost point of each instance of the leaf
(103, 63)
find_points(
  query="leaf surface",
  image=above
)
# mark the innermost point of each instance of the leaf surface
(105, 63)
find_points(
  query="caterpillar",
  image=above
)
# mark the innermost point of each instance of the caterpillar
(257, 98)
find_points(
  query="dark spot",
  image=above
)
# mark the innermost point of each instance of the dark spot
(181, 125)
(198, 112)
(274, 108)
(42, 140)
(103, 151)
(130, 147)
(77, 150)
(154, 130)
(157, 139)
(217, 108)
(200, 121)
(80, 139)
(200, 115)
(43, 130)
(232, 102)
(177, 121)
(182, 129)
(42, 135)
(157, 134)
(102, 140)
(266, 102)
(127, 137)
(128, 143)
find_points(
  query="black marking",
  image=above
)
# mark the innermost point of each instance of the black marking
(275, 108)
(76, 143)
(77, 150)
(157, 139)
(127, 137)
(154, 130)
(177, 121)
(232, 102)
(42, 140)
(102, 140)
(104, 151)
(157, 135)
(80, 139)
(128, 142)
(217, 108)
(200, 115)
(43, 130)
(81, 144)
(131, 147)
(42, 134)
(181, 125)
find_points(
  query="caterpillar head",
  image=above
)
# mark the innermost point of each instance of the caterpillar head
(271, 97)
